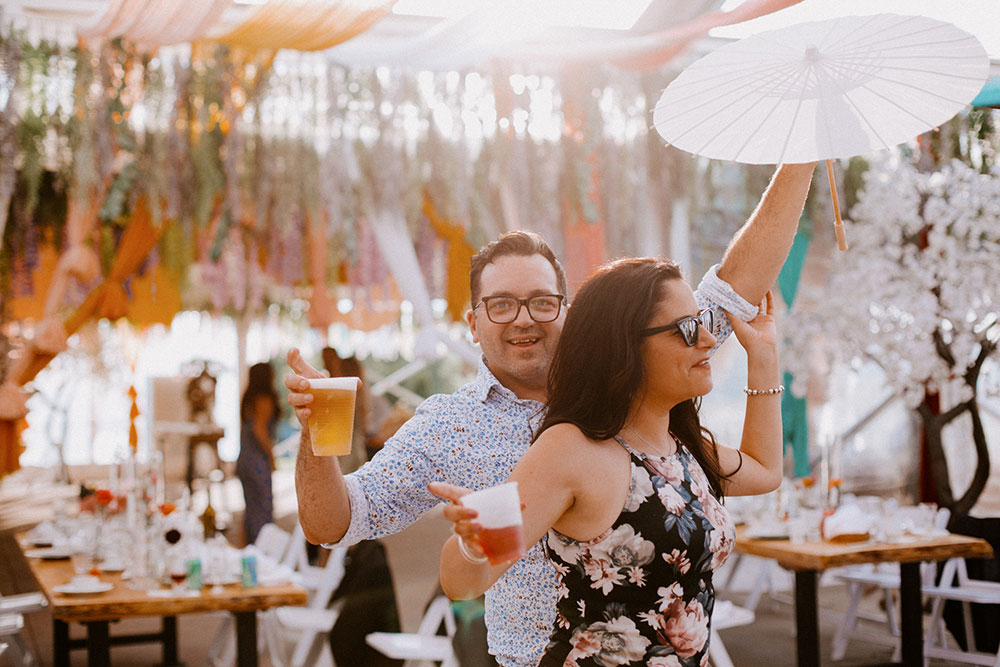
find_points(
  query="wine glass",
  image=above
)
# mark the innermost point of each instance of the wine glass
(177, 569)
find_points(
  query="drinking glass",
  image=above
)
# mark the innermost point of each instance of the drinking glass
(177, 569)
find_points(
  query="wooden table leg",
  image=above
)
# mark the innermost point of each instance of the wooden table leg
(806, 618)
(911, 618)
(98, 644)
(246, 638)
(60, 643)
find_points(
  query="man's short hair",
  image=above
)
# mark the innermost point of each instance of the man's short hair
(518, 243)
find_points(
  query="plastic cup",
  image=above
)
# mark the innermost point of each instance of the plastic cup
(331, 424)
(499, 509)
(82, 562)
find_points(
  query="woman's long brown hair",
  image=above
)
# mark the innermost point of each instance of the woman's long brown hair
(597, 372)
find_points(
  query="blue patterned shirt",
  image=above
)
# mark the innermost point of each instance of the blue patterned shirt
(474, 438)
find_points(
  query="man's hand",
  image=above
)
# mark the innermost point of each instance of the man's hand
(298, 386)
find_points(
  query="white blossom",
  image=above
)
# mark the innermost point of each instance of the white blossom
(924, 259)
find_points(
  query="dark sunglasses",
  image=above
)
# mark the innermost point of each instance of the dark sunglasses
(689, 326)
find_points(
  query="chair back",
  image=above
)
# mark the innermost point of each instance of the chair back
(321, 582)
(272, 541)
(438, 611)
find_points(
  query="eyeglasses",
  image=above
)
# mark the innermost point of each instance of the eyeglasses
(505, 309)
(687, 326)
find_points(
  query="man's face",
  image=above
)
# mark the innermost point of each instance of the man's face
(519, 352)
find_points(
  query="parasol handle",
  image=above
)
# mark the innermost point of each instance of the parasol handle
(838, 226)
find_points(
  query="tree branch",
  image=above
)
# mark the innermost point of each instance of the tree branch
(942, 348)
(935, 452)
(979, 479)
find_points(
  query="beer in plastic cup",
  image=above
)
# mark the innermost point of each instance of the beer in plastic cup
(499, 509)
(331, 422)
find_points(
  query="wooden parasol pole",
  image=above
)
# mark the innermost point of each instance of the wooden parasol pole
(838, 226)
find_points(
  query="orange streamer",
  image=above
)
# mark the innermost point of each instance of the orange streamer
(307, 25)
(460, 252)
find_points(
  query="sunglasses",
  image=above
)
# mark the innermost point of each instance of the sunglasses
(689, 326)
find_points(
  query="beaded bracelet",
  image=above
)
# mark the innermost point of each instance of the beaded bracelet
(764, 392)
(467, 555)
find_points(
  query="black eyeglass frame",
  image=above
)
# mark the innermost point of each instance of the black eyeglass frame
(522, 303)
(690, 339)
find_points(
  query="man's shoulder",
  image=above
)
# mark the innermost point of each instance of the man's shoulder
(459, 398)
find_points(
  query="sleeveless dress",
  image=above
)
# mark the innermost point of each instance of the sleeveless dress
(641, 593)
(253, 467)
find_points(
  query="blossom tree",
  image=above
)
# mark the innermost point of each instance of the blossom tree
(917, 294)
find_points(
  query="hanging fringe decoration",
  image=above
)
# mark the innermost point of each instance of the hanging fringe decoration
(459, 254)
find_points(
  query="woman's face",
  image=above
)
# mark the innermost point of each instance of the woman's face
(675, 371)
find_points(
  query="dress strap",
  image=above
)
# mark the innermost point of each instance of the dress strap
(639, 455)
(643, 456)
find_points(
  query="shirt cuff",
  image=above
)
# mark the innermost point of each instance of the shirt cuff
(359, 529)
(721, 293)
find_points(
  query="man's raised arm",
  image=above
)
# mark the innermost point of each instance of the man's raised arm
(324, 507)
(758, 250)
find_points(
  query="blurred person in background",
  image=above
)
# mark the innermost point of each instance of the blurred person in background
(259, 414)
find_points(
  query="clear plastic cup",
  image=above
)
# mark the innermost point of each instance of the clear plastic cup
(499, 509)
(83, 561)
(331, 422)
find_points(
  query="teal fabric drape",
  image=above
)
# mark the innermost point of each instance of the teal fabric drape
(794, 419)
(989, 96)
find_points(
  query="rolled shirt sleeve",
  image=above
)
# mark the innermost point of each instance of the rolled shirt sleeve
(714, 292)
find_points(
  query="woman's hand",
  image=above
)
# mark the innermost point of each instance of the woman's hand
(760, 333)
(461, 516)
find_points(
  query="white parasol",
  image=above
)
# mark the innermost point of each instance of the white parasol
(823, 90)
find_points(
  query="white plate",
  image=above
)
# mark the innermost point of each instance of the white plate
(84, 589)
(767, 535)
(38, 543)
(52, 553)
(112, 567)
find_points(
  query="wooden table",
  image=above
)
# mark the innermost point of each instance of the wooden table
(95, 611)
(807, 559)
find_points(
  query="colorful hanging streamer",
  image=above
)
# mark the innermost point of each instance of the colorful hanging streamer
(307, 25)
(460, 253)
(156, 22)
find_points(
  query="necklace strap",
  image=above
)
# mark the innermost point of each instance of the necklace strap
(657, 448)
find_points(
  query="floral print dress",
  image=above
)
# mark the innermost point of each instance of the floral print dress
(641, 593)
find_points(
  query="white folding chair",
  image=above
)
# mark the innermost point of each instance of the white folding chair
(273, 541)
(12, 610)
(956, 585)
(425, 645)
(725, 615)
(305, 628)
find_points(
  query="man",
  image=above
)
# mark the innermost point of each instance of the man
(474, 437)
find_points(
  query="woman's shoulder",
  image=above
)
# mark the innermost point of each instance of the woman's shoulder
(567, 440)
(561, 435)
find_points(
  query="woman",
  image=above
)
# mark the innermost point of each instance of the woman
(258, 417)
(623, 480)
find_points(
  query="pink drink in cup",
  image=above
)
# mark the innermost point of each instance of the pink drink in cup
(499, 509)
(331, 422)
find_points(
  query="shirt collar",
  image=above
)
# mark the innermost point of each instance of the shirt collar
(485, 382)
